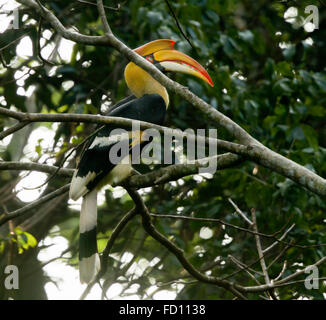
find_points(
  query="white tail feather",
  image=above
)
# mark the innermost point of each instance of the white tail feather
(88, 268)
(88, 213)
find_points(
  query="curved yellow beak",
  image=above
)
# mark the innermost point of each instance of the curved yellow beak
(162, 52)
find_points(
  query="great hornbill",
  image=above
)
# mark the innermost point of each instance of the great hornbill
(95, 168)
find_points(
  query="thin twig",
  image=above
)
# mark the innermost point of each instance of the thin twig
(282, 272)
(39, 50)
(259, 247)
(178, 24)
(34, 204)
(240, 212)
(243, 267)
(280, 239)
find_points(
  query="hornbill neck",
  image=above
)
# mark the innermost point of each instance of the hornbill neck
(141, 83)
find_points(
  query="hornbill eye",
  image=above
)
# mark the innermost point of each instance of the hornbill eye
(150, 58)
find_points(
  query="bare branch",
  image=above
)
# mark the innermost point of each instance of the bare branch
(276, 242)
(243, 267)
(123, 122)
(177, 171)
(117, 230)
(104, 20)
(152, 231)
(282, 272)
(19, 212)
(240, 212)
(284, 281)
(212, 220)
(259, 247)
(13, 129)
(33, 166)
(178, 23)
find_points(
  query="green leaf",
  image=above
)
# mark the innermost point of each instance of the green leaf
(246, 36)
(311, 136)
(282, 86)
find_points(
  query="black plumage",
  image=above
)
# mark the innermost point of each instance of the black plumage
(149, 108)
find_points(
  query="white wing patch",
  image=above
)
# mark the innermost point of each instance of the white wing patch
(107, 141)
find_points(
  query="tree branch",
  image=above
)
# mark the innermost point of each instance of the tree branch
(177, 171)
(19, 212)
(260, 250)
(151, 230)
(13, 129)
(104, 20)
(33, 166)
(290, 169)
(117, 230)
(159, 176)
(284, 281)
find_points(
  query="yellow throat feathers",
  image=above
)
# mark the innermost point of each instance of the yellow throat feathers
(141, 83)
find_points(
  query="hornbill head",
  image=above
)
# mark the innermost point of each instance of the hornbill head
(163, 55)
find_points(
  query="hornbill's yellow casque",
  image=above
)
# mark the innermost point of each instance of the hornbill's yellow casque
(95, 168)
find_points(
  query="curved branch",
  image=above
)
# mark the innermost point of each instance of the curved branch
(123, 122)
